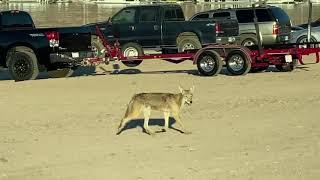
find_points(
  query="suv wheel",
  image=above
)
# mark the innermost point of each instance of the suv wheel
(248, 40)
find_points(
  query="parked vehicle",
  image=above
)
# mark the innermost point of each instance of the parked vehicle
(274, 23)
(158, 26)
(301, 36)
(25, 50)
(315, 23)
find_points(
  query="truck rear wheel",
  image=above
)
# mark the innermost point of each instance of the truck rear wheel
(60, 73)
(22, 64)
(237, 63)
(188, 42)
(132, 49)
(209, 63)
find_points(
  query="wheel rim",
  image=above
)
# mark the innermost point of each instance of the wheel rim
(236, 62)
(248, 43)
(21, 67)
(207, 63)
(305, 40)
(187, 46)
(130, 51)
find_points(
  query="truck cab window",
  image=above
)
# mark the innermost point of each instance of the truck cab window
(124, 16)
(147, 15)
(172, 14)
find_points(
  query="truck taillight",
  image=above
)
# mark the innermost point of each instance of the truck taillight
(53, 38)
(218, 29)
(275, 29)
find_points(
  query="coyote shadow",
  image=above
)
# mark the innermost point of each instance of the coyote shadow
(152, 122)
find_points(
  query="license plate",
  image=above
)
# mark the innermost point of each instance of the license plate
(288, 58)
(75, 54)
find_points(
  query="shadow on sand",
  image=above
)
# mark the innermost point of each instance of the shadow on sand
(152, 122)
(91, 71)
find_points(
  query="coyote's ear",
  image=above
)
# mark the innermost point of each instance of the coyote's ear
(192, 89)
(181, 89)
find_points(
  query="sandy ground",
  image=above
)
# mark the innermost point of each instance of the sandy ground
(254, 127)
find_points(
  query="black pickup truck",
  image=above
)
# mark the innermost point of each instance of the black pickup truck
(158, 26)
(25, 50)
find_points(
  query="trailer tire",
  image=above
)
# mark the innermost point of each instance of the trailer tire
(60, 73)
(22, 64)
(248, 40)
(209, 63)
(97, 47)
(288, 67)
(237, 63)
(188, 42)
(132, 49)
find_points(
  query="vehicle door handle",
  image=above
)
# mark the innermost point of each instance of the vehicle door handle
(156, 27)
(132, 28)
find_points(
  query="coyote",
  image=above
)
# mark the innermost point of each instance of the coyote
(164, 102)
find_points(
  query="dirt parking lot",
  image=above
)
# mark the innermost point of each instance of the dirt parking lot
(254, 127)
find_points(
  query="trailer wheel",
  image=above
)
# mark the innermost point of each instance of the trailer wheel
(209, 63)
(288, 67)
(237, 63)
(60, 73)
(23, 64)
(97, 47)
(132, 49)
(188, 42)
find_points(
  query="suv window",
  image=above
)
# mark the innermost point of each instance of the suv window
(280, 15)
(147, 15)
(125, 16)
(221, 15)
(263, 15)
(246, 16)
(201, 16)
(173, 14)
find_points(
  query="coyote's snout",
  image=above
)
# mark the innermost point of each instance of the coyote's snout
(164, 102)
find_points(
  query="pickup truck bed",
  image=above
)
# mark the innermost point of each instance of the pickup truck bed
(25, 49)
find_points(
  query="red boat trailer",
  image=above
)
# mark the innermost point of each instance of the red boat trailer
(239, 60)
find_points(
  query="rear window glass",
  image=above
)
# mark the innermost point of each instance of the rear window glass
(246, 16)
(16, 20)
(221, 15)
(201, 16)
(173, 14)
(280, 15)
(148, 15)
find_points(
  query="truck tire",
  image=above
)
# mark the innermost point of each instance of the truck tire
(22, 64)
(237, 63)
(188, 42)
(132, 49)
(60, 73)
(288, 67)
(209, 63)
(248, 40)
(97, 47)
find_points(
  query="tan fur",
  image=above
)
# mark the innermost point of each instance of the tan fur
(167, 103)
